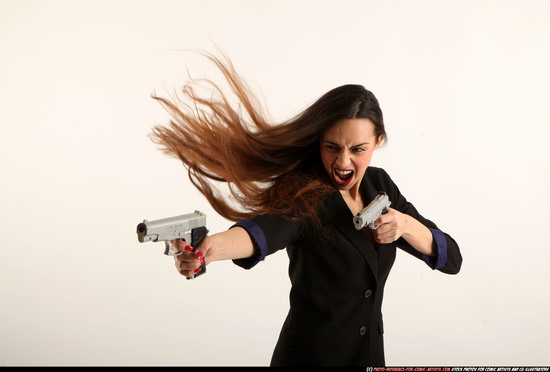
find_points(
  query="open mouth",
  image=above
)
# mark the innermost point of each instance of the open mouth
(342, 177)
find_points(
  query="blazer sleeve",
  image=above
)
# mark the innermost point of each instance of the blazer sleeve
(268, 234)
(449, 258)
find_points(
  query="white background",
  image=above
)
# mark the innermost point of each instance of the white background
(465, 89)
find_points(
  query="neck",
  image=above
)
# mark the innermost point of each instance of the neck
(352, 194)
(353, 199)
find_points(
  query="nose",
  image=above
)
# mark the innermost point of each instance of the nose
(343, 158)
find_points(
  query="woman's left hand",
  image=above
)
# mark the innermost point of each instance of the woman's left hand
(391, 226)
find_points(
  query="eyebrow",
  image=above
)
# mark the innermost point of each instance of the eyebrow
(352, 147)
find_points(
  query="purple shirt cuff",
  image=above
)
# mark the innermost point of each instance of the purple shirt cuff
(259, 241)
(439, 261)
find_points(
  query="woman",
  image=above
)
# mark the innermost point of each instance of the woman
(297, 185)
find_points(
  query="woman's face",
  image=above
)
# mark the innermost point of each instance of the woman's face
(346, 151)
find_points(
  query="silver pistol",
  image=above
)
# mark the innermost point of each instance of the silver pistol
(190, 227)
(372, 212)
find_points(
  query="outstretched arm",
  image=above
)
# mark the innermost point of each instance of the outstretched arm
(232, 244)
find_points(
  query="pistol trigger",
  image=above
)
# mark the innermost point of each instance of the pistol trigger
(373, 226)
(168, 251)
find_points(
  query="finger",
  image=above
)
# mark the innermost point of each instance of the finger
(185, 257)
(187, 268)
(382, 229)
(387, 237)
(186, 273)
(200, 257)
(177, 245)
(385, 218)
(180, 245)
(385, 231)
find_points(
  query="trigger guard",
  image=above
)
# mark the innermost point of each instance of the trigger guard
(168, 251)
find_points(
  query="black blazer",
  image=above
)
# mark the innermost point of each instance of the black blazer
(338, 280)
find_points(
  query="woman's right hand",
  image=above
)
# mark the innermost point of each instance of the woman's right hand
(232, 244)
(189, 261)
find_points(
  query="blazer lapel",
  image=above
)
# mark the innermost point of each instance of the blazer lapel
(342, 218)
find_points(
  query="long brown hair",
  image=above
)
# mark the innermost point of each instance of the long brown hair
(268, 168)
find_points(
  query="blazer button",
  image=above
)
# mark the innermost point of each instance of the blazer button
(363, 330)
(368, 293)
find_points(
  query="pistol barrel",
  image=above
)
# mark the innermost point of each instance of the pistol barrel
(170, 228)
(372, 212)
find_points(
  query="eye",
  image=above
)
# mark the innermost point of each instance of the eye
(330, 147)
(358, 149)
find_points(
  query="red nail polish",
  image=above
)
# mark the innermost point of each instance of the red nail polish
(197, 270)
(189, 248)
(199, 256)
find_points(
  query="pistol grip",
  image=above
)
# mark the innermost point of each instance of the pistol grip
(197, 236)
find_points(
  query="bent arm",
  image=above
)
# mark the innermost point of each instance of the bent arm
(419, 237)
(394, 225)
(444, 254)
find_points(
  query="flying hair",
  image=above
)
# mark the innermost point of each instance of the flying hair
(268, 168)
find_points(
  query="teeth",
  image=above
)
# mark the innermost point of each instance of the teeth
(343, 173)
